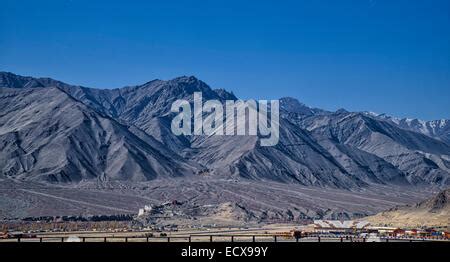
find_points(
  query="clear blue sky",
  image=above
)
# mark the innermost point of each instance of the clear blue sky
(376, 55)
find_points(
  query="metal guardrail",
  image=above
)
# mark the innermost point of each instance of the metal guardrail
(211, 238)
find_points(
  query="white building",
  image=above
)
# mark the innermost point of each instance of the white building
(145, 210)
(326, 226)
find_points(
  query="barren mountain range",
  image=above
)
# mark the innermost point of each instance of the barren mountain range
(64, 135)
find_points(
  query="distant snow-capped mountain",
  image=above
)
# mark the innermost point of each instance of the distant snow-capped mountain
(439, 129)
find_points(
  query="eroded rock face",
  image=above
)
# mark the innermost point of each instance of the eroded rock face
(46, 135)
(52, 131)
(437, 203)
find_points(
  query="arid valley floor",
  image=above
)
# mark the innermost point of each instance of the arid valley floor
(251, 201)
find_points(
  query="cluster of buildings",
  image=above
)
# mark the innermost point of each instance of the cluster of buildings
(168, 209)
(359, 227)
(420, 233)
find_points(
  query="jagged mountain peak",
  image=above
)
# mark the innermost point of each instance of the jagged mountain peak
(287, 100)
(292, 105)
(186, 79)
(342, 111)
(439, 129)
(412, 121)
(225, 94)
(180, 87)
(11, 80)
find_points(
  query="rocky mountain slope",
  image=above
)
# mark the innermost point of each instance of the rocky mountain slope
(439, 129)
(434, 211)
(420, 158)
(46, 135)
(330, 149)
